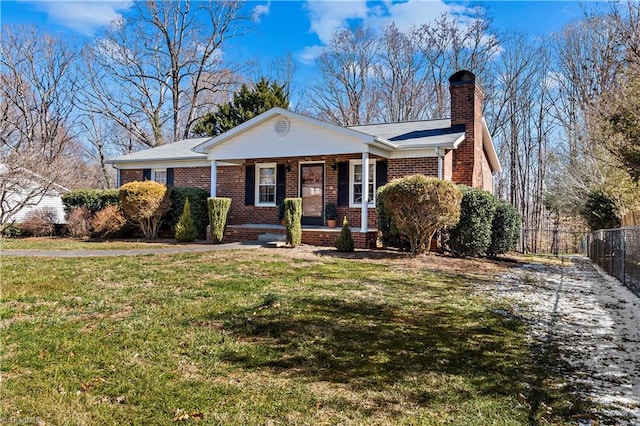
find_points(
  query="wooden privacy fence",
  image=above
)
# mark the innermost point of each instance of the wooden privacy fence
(553, 241)
(617, 251)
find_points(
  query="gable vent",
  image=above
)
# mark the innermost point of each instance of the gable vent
(282, 127)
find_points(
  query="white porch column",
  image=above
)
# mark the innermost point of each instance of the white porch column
(214, 177)
(440, 155)
(364, 213)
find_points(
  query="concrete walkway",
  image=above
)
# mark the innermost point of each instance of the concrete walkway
(190, 248)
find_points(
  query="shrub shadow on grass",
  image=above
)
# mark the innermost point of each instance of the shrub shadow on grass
(366, 344)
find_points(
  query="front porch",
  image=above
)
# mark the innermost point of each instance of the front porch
(313, 235)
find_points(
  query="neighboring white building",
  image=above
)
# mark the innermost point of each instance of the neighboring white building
(34, 192)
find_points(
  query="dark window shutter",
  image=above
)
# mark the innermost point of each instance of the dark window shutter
(281, 184)
(146, 174)
(169, 177)
(381, 173)
(343, 183)
(250, 186)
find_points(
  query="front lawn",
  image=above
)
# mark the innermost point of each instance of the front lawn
(55, 243)
(267, 337)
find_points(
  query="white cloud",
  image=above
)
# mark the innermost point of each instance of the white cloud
(328, 16)
(309, 54)
(86, 16)
(260, 10)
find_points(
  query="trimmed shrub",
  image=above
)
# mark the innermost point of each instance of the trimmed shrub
(108, 222)
(79, 222)
(345, 242)
(418, 206)
(185, 228)
(109, 197)
(505, 229)
(197, 203)
(92, 199)
(600, 211)
(218, 210)
(11, 230)
(40, 223)
(292, 217)
(144, 204)
(389, 234)
(472, 235)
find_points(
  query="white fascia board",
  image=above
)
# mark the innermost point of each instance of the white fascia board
(159, 164)
(433, 146)
(490, 149)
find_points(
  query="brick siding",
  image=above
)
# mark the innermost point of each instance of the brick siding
(197, 177)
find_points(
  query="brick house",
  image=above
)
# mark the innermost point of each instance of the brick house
(281, 154)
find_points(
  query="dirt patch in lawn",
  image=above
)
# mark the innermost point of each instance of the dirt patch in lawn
(591, 321)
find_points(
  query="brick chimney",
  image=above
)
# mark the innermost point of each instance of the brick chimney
(466, 109)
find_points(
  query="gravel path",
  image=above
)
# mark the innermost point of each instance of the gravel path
(593, 321)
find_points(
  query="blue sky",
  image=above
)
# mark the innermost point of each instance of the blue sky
(298, 27)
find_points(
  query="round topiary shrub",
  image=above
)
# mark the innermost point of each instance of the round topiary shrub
(419, 206)
(144, 204)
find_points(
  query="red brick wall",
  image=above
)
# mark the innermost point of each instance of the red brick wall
(197, 177)
(466, 108)
(231, 183)
(399, 167)
(325, 238)
(130, 175)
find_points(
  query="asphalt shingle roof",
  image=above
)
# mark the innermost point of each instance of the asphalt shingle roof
(181, 150)
(416, 133)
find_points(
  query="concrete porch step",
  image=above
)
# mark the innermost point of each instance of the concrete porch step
(272, 238)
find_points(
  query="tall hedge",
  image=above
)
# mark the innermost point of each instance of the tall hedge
(91, 199)
(505, 229)
(419, 206)
(472, 235)
(218, 211)
(144, 204)
(293, 217)
(198, 203)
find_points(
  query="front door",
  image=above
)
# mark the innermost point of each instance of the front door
(312, 193)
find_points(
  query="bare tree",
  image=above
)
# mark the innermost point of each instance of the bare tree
(37, 97)
(345, 96)
(400, 80)
(449, 45)
(155, 74)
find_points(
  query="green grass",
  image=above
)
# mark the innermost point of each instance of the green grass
(55, 243)
(260, 337)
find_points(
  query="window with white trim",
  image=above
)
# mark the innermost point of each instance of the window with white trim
(266, 184)
(355, 182)
(160, 176)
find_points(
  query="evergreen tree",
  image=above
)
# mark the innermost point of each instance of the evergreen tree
(345, 239)
(246, 104)
(185, 228)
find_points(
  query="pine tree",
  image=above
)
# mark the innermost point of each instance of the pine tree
(185, 228)
(345, 240)
(246, 104)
